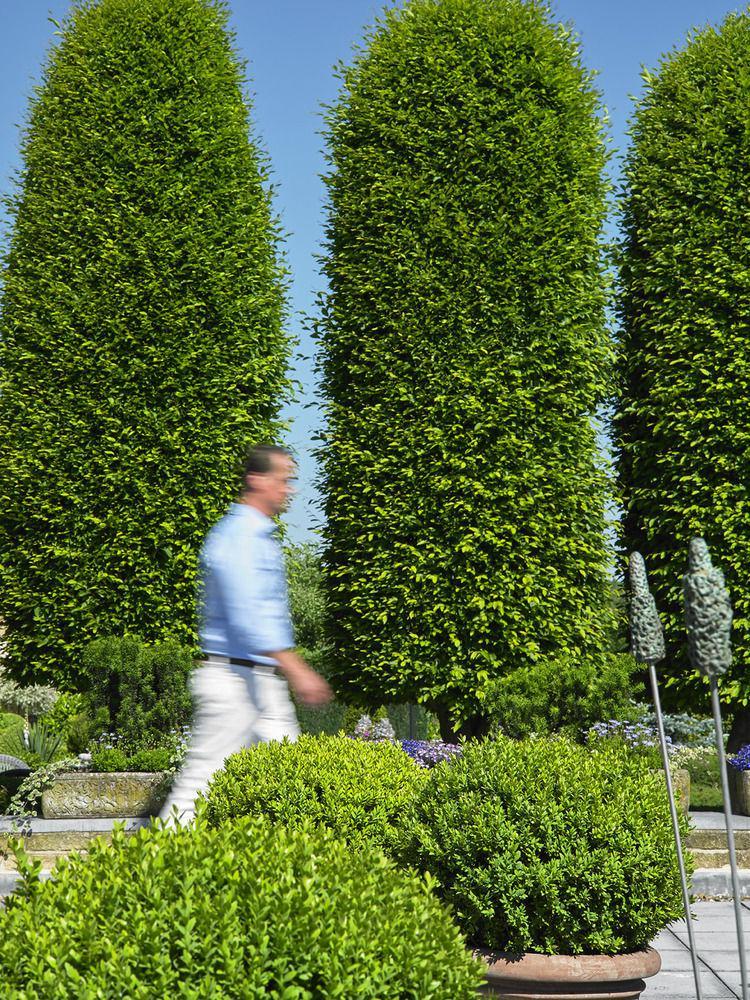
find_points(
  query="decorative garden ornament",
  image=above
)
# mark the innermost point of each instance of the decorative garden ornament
(647, 646)
(708, 615)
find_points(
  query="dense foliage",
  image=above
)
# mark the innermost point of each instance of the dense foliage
(143, 689)
(463, 354)
(245, 911)
(543, 845)
(359, 790)
(564, 694)
(141, 347)
(684, 367)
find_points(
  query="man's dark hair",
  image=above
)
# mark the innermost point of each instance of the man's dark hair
(258, 460)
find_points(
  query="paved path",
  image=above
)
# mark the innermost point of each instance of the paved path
(716, 939)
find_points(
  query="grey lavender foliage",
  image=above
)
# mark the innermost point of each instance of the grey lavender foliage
(708, 613)
(646, 632)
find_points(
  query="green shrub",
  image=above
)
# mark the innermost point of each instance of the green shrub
(684, 383)
(245, 911)
(358, 790)
(564, 694)
(144, 689)
(58, 719)
(545, 846)
(150, 760)
(463, 351)
(9, 720)
(108, 759)
(141, 341)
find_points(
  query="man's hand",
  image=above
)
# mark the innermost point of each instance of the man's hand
(310, 688)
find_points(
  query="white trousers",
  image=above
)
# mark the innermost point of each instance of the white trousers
(235, 707)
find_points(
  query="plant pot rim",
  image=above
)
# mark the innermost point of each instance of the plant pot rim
(108, 774)
(532, 966)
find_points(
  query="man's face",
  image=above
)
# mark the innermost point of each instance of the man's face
(275, 488)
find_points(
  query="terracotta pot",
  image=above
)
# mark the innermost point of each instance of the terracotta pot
(569, 977)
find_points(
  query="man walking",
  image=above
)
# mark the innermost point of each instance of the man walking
(241, 692)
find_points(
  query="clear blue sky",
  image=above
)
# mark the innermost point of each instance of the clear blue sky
(292, 46)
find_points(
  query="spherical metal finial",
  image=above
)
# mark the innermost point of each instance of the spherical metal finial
(646, 633)
(708, 612)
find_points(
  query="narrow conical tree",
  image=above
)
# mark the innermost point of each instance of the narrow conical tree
(463, 353)
(142, 345)
(684, 363)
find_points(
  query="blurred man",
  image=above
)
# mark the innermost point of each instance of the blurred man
(242, 690)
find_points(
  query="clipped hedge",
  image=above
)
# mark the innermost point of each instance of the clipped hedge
(246, 911)
(546, 846)
(684, 361)
(463, 352)
(359, 790)
(141, 347)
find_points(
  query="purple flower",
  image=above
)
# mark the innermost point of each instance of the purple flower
(741, 760)
(428, 753)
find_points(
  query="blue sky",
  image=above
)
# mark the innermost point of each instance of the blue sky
(292, 46)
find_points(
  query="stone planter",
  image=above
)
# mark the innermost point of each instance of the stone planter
(739, 790)
(120, 794)
(556, 977)
(681, 782)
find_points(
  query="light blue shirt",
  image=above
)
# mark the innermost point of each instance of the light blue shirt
(244, 599)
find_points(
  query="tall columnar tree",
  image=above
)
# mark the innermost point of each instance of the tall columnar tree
(141, 341)
(683, 418)
(463, 353)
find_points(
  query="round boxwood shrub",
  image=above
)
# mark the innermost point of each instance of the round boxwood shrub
(463, 352)
(684, 360)
(544, 845)
(141, 340)
(359, 790)
(245, 911)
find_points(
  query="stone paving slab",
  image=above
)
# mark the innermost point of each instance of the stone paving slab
(716, 940)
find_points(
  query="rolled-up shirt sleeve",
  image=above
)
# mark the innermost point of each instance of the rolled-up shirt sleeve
(250, 577)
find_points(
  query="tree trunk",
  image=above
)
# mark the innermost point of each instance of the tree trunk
(474, 728)
(739, 734)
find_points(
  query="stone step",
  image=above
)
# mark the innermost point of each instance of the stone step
(718, 858)
(716, 840)
(46, 840)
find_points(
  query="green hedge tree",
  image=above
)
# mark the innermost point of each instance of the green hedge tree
(683, 416)
(141, 343)
(463, 353)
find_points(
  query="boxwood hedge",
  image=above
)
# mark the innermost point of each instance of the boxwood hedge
(140, 343)
(463, 352)
(684, 361)
(246, 911)
(359, 790)
(544, 845)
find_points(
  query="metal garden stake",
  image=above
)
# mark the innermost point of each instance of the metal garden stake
(708, 612)
(647, 646)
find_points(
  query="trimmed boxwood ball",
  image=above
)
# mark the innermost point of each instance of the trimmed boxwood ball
(245, 911)
(359, 790)
(463, 352)
(684, 361)
(141, 341)
(546, 846)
